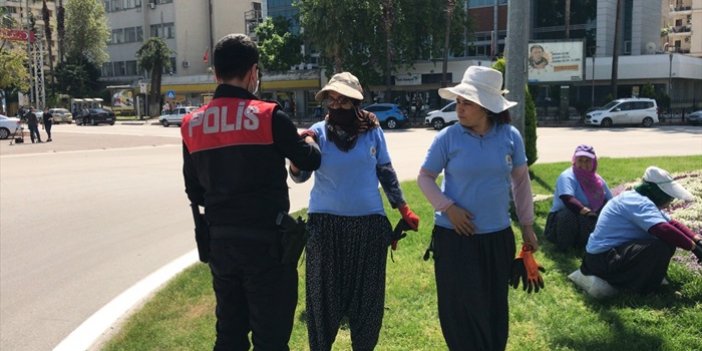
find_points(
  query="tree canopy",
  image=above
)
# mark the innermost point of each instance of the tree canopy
(86, 31)
(13, 69)
(350, 34)
(280, 49)
(77, 76)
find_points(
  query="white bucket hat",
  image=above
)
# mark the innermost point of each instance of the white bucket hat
(666, 183)
(343, 83)
(481, 85)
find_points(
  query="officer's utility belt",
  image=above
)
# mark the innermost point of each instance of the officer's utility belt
(229, 232)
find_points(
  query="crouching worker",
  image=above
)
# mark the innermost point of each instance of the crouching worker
(580, 195)
(634, 240)
(234, 152)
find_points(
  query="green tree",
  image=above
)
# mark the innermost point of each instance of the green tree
(13, 60)
(529, 119)
(77, 77)
(48, 34)
(60, 28)
(13, 68)
(86, 31)
(280, 49)
(353, 35)
(154, 57)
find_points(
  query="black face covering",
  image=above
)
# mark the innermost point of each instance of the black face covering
(343, 127)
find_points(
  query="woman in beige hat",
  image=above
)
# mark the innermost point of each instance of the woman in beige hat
(634, 240)
(349, 232)
(483, 159)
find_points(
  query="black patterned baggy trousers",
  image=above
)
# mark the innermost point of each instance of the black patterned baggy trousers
(345, 277)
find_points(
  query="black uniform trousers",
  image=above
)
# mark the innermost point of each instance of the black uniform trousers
(639, 265)
(472, 280)
(255, 293)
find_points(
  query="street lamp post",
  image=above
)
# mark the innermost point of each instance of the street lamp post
(670, 71)
(593, 52)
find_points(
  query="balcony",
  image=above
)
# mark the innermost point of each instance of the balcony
(687, 29)
(681, 9)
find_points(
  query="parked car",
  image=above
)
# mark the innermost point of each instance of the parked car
(61, 115)
(640, 111)
(95, 116)
(8, 126)
(389, 115)
(694, 117)
(175, 116)
(439, 119)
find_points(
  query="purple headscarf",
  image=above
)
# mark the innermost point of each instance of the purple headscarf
(588, 180)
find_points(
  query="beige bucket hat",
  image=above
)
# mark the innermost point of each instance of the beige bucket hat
(343, 83)
(481, 85)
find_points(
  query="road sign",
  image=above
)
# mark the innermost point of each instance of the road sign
(170, 94)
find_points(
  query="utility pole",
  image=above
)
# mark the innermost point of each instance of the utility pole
(516, 70)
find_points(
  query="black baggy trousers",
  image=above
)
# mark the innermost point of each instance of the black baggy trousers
(255, 293)
(472, 280)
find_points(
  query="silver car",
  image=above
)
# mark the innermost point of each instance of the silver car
(694, 118)
(61, 115)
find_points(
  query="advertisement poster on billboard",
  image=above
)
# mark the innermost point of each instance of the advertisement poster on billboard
(556, 61)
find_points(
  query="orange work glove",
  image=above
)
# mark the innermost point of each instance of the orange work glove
(410, 217)
(533, 277)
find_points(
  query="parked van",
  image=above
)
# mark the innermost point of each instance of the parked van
(639, 111)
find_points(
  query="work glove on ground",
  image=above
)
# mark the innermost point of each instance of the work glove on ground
(410, 217)
(526, 269)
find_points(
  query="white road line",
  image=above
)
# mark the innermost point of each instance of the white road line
(89, 331)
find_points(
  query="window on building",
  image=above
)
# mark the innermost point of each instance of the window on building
(117, 36)
(120, 69)
(130, 35)
(131, 68)
(107, 69)
(139, 34)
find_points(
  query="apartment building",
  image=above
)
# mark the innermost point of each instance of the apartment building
(682, 27)
(190, 28)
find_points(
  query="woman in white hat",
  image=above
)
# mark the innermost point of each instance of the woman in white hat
(482, 158)
(349, 232)
(579, 196)
(634, 239)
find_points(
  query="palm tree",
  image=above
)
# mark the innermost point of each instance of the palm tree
(154, 57)
(48, 32)
(60, 28)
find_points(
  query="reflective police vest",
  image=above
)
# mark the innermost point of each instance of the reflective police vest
(227, 122)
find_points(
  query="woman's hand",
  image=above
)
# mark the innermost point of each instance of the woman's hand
(461, 219)
(529, 236)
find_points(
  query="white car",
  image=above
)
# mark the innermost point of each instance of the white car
(8, 126)
(61, 115)
(439, 119)
(639, 111)
(175, 116)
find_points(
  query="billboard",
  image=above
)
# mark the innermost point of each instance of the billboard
(556, 61)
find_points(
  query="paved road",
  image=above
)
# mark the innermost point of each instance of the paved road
(89, 215)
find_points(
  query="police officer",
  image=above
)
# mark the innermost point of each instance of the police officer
(234, 152)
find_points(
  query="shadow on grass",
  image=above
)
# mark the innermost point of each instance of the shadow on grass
(543, 183)
(621, 337)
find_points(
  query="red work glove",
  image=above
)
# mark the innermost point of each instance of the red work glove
(534, 280)
(410, 217)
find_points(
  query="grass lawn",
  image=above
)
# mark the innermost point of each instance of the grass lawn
(561, 317)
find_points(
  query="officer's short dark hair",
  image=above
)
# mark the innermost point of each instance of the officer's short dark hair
(234, 55)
